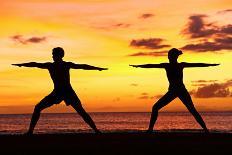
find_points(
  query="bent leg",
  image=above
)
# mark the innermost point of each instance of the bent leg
(163, 101)
(76, 104)
(43, 104)
(186, 99)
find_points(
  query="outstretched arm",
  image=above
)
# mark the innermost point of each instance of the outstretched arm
(85, 67)
(199, 65)
(33, 64)
(150, 65)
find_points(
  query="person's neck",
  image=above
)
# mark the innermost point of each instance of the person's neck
(58, 61)
(173, 62)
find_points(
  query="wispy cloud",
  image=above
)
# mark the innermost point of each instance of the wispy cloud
(123, 25)
(217, 45)
(155, 54)
(151, 43)
(146, 15)
(145, 96)
(117, 99)
(134, 84)
(225, 11)
(215, 89)
(197, 27)
(22, 40)
(207, 36)
(204, 81)
(200, 83)
(113, 26)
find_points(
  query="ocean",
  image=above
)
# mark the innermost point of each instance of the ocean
(115, 122)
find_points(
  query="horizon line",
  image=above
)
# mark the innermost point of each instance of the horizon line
(229, 111)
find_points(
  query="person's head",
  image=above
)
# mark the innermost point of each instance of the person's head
(173, 54)
(57, 53)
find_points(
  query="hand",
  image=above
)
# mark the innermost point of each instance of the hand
(134, 65)
(100, 69)
(215, 64)
(19, 65)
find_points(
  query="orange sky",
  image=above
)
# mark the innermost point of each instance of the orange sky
(100, 33)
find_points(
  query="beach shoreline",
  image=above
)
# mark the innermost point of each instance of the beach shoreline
(117, 143)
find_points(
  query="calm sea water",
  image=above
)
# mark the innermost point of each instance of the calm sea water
(113, 122)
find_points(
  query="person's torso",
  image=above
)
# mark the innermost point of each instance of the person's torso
(175, 75)
(60, 75)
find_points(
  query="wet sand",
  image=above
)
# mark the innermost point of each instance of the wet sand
(117, 143)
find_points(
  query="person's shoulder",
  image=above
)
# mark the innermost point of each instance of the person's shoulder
(183, 64)
(68, 63)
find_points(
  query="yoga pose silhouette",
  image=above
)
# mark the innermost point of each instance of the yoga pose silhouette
(63, 91)
(174, 71)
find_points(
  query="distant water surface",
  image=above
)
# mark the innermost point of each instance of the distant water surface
(114, 122)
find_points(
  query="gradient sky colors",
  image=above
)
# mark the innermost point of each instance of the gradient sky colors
(114, 34)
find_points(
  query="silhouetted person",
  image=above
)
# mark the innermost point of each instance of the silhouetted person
(63, 91)
(174, 71)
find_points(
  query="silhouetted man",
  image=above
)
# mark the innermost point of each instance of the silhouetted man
(63, 91)
(174, 71)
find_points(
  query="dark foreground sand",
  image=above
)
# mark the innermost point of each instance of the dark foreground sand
(118, 143)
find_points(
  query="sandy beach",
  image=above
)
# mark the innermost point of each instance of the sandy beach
(117, 143)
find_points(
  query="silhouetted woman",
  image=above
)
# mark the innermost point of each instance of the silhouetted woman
(174, 71)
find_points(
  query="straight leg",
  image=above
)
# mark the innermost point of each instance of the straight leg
(186, 99)
(85, 116)
(74, 101)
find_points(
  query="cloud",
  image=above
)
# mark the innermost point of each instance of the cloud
(21, 39)
(134, 84)
(145, 96)
(200, 83)
(110, 26)
(213, 90)
(159, 96)
(151, 43)
(197, 27)
(18, 38)
(155, 54)
(117, 99)
(217, 45)
(225, 11)
(121, 25)
(35, 39)
(146, 15)
(203, 81)
(208, 37)
(226, 29)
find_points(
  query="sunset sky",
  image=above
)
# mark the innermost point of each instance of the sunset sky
(114, 34)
